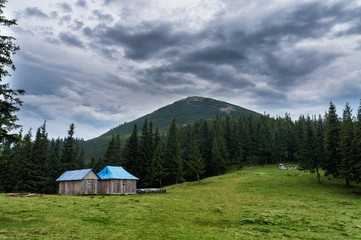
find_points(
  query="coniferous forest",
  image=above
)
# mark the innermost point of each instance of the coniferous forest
(327, 145)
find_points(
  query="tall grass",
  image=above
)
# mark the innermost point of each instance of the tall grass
(253, 203)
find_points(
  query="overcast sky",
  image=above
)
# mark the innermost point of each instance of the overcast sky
(99, 63)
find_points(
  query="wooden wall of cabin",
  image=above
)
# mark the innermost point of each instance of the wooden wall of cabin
(117, 186)
(84, 187)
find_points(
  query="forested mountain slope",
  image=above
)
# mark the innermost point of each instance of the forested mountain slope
(185, 111)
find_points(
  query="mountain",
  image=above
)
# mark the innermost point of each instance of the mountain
(185, 111)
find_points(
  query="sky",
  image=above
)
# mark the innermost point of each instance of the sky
(100, 63)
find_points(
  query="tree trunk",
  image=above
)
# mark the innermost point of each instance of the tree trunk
(199, 181)
(318, 176)
(347, 183)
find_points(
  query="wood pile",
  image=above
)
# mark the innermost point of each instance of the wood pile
(24, 194)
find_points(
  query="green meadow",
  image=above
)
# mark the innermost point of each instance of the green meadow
(258, 202)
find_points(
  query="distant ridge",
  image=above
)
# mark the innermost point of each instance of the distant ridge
(186, 111)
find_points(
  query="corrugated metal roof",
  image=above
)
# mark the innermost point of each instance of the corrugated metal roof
(110, 172)
(74, 175)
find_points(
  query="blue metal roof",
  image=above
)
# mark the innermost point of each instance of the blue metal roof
(110, 172)
(74, 175)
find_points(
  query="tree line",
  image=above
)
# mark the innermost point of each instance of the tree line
(208, 147)
(201, 149)
(34, 165)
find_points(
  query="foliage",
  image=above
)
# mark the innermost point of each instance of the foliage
(332, 136)
(172, 154)
(195, 161)
(9, 98)
(69, 152)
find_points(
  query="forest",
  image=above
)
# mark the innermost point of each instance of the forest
(328, 144)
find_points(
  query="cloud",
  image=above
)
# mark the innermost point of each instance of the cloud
(35, 12)
(65, 7)
(280, 56)
(103, 17)
(81, 3)
(71, 40)
(143, 42)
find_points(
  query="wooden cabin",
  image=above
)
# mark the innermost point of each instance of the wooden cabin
(116, 180)
(78, 182)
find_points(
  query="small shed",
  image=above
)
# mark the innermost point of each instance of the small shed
(116, 180)
(78, 182)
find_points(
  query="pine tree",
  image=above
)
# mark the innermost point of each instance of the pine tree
(40, 158)
(7, 169)
(26, 181)
(99, 165)
(195, 161)
(143, 167)
(9, 98)
(130, 154)
(92, 163)
(205, 145)
(348, 163)
(81, 163)
(218, 161)
(113, 155)
(69, 159)
(332, 157)
(53, 167)
(309, 160)
(159, 171)
(356, 146)
(173, 154)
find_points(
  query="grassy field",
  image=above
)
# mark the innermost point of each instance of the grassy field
(253, 203)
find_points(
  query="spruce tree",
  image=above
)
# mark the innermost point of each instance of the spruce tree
(9, 98)
(356, 146)
(40, 157)
(195, 161)
(310, 160)
(69, 159)
(143, 167)
(331, 162)
(113, 155)
(348, 164)
(130, 154)
(92, 163)
(218, 161)
(27, 181)
(173, 154)
(7, 169)
(81, 163)
(99, 165)
(53, 167)
(159, 170)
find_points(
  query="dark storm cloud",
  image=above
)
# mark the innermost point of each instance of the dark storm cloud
(81, 3)
(140, 44)
(35, 12)
(262, 52)
(216, 55)
(71, 40)
(287, 71)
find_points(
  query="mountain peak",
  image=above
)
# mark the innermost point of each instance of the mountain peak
(193, 99)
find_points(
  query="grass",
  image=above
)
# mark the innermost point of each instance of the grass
(253, 203)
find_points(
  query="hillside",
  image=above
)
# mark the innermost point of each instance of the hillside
(258, 202)
(185, 111)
